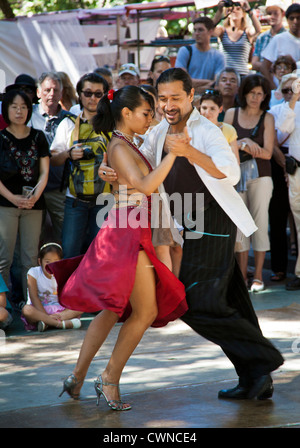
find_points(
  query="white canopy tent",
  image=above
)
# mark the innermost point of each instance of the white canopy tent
(59, 41)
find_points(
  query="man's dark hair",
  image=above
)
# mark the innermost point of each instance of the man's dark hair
(93, 78)
(207, 22)
(295, 7)
(176, 74)
(249, 83)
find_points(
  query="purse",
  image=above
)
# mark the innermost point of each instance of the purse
(291, 164)
(8, 165)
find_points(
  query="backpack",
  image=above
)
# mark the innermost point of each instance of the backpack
(190, 50)
(83, 179)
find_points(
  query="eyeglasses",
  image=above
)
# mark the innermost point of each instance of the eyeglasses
(287, 90)
(89, 94)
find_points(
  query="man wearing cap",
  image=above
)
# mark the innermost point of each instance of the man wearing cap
(275, 11)
(283, 43)
(129, 75)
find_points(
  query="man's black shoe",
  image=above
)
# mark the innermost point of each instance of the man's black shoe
(260, 386)
(268, 393)
(236, 393)
(294, 285)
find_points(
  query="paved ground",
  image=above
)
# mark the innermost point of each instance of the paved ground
(172, 379)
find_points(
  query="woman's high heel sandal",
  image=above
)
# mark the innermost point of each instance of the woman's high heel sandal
(115, 405)
(69, 385)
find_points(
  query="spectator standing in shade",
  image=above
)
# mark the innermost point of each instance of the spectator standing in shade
(69, 97)
(158, 65)
(236, 37)
(129, 75)
(106, 74)
(288, 121)
(279, 209)
(21, 214)
(275, 11)
(255, 130)
(282, 66)
(73, 134)
(46, 116)
(283, 44)
(26, 84)
(200, 60)
(228, 82)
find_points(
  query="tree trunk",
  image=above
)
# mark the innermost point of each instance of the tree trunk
(6, 9)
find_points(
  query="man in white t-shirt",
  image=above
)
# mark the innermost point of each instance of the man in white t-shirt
(200, 60)
(283, 44)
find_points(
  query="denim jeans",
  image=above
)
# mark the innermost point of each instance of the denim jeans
(79, 227)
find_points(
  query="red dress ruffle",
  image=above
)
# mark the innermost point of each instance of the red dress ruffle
(103, 278)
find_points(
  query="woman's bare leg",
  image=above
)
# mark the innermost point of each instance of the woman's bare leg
(95, 336)
(144, 312)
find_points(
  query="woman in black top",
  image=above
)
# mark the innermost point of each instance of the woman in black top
(24, 161)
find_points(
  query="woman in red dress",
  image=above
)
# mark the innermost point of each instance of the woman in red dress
(120, 273)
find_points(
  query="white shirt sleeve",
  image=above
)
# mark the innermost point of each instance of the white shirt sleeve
(285, 121)
(210, 140)
(62, 137)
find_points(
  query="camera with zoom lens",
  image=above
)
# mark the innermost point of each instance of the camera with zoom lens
(230, 3)
(88, 153)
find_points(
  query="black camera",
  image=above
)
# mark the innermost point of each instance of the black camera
(88, 153)
(230, 3)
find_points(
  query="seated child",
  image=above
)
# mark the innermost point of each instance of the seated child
(43, 308)
(5, 317)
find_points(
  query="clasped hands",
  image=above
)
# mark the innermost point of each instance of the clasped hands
(178, 143)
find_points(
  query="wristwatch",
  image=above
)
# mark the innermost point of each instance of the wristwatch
(243, 145)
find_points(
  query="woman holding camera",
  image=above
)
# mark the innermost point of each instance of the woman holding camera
(235, 36)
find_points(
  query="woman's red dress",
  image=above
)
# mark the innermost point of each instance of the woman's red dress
(103, 278)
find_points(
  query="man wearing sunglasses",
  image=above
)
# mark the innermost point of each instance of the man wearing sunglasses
(77, 144)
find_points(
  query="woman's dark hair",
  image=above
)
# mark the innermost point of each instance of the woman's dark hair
(213, 95)
(250, 82)
(8, 99)
(150, 89)
(158, 58)
(287, 60)
(109, 111)
(50, 247)
(176, 74)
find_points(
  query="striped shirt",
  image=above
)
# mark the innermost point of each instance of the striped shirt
(237, 53)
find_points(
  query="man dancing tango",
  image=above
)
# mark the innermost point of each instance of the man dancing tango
(219, 305)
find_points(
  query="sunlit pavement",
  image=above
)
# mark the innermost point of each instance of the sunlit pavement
(172, 380)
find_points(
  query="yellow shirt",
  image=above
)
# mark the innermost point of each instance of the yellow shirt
(229, 132)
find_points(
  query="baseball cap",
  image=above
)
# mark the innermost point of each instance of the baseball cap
(129, 68)
(280, 4)
(22, 80)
